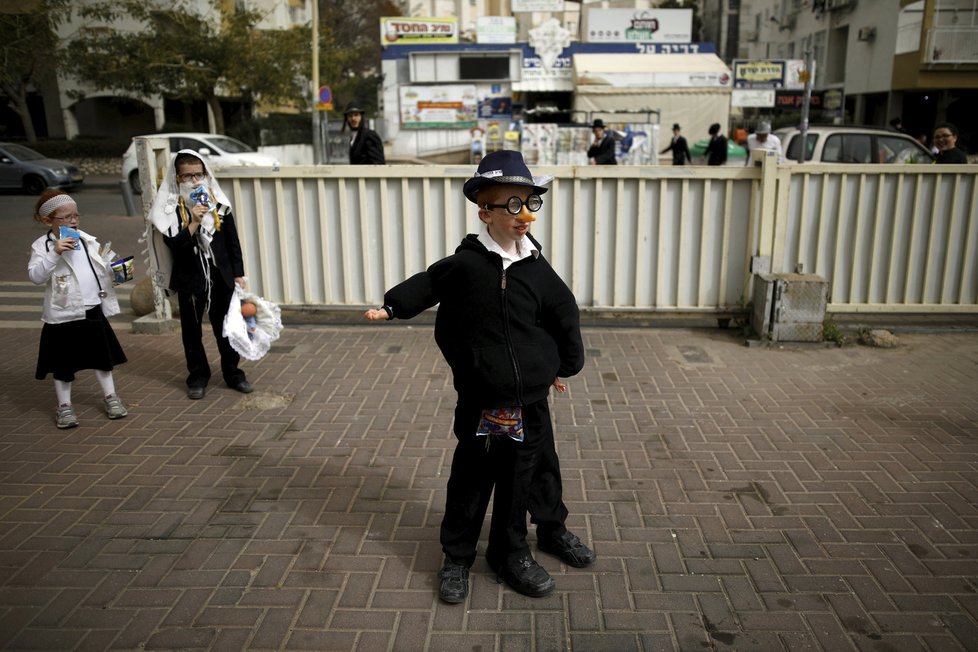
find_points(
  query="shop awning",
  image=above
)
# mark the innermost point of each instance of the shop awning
(651, 71)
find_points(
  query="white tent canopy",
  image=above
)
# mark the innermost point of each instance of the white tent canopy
(692, 90)
(651, 70)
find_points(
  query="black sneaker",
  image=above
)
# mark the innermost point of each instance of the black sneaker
(569, 549)
(454, 582)
(526, 576)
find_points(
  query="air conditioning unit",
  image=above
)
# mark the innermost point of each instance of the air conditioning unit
(867, 33)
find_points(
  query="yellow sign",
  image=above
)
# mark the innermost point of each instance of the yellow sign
(401, 30)
(324, 106)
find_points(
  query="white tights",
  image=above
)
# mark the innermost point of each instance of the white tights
(62, 389)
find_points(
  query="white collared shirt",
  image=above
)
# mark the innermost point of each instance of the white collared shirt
(524, 247)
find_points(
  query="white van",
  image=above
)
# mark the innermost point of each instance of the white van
(218, 150)
(850, 144)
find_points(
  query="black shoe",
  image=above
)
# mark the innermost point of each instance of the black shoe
(196, 393)
(526, 576)
(454, 582)
(569, 549)
(242, 386)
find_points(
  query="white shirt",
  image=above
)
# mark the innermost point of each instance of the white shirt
(524, 247)
(772, 142)
(86, 277)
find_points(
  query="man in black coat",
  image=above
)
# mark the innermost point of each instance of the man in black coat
(716, 150)
(366, 147)
(679, 148)
(602, 151)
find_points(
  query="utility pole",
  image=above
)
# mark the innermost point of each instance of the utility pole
(317, 136)
(806, 98)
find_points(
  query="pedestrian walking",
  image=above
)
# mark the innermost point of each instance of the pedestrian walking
(762, 138)
(602, 150)
(678, 147)
(716, 150)
(78, 297)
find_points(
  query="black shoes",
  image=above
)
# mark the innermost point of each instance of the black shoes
(526, 576)
(569, 549)
(454, 582)
(197, 393)
(242, 386)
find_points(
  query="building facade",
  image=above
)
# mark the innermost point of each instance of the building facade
(911, 59)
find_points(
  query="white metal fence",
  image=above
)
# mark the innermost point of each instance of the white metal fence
(655, 238)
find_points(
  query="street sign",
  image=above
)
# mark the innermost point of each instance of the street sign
(325, 99)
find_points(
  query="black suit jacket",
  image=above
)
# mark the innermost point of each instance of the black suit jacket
(716, 151)
(603, 153)
(680, 151)
(367, 148)
(187, 274)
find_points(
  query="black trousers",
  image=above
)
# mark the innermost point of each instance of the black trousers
(191, 329)
(520, 476)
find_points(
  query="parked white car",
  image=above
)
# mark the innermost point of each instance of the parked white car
(842, 144)
(218, 150)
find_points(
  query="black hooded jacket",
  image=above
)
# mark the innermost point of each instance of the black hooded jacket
(507, 335)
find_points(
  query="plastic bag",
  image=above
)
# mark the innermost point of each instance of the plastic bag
(252, 342)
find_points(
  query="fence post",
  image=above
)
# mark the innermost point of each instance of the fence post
(153, 155)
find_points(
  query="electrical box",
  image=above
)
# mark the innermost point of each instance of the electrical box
(789, 307)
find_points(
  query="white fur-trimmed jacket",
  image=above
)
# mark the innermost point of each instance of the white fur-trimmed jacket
(63, 300)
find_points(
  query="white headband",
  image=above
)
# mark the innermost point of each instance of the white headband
(54, 204)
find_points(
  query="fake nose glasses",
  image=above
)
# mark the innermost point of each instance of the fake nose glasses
(514, 206)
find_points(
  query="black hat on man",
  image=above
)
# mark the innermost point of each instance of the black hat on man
(504, 167)
(353, 107)
(598, 124)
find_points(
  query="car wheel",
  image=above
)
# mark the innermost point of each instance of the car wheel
(34, 185)
(134, 182)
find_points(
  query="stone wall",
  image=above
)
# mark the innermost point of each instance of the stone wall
(98, 166)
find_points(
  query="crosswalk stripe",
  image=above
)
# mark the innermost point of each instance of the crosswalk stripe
(15, 305)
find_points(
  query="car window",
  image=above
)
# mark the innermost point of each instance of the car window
(893, 149)
(192, 143)
(230, 145)
(847, 148)
(792, 152)
(23, 153)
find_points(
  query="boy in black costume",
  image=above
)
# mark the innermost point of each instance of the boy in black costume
(509, 328)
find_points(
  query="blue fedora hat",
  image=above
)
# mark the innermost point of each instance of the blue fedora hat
(504, 167)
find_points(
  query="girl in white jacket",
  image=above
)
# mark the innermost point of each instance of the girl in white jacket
(77, 299)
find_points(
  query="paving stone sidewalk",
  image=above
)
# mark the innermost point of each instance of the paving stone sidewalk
(738, 498)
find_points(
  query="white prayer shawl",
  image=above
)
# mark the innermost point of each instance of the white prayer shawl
(165, 219)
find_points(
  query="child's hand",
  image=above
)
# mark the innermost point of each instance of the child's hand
(375, 314)
(198, 211)
(62, 245)
(560, 386)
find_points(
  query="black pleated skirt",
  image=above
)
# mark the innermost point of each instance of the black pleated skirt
(87, 343)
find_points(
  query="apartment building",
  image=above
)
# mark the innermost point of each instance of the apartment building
(912, 59)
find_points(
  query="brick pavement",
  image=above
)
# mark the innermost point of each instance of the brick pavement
(752, 499)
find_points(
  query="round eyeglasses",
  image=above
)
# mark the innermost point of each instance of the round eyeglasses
(514, 205)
